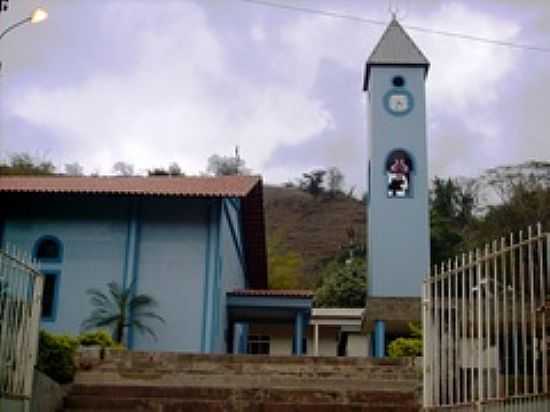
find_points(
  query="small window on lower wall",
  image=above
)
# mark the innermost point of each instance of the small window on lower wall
(258, 345)
(49, 296)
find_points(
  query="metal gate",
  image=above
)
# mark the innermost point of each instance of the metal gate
(485, 327)
(21, 286)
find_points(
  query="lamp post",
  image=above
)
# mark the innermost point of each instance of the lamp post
(37, 16)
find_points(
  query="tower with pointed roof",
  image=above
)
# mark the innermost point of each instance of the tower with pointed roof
(398, 225)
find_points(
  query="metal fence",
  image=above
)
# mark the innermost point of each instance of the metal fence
(485, 327)
(21, 286)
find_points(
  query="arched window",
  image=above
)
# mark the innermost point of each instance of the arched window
(48, 251)
(399, 169)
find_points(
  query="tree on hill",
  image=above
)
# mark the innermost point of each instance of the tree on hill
(25, 164)
(74, 169)
(227, 165)
(451, 209)
(313, 181)
(123, 168)
(343, 282)
(173, 170)
(335, 181)
(526, 204)
(285, 267)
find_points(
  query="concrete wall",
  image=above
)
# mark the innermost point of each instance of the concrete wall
(398, 240)
(47, 395)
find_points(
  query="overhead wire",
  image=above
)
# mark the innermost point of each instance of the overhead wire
(359, 19)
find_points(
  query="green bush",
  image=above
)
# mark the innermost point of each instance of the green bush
(56, 356)
(409, 346)
(98, 338)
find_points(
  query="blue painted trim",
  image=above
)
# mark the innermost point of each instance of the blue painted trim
(398, 90)
(217, 290)
(236, 241)
(379, 339)
(56, 291)
(298, 336)
(127, 245)
(268, 302)
(206, 274)
(58, 259)
(235, 203)
(134, 270)
(212, 275)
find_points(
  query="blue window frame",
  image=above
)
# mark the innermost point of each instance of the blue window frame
(48, 249)
(50, 295)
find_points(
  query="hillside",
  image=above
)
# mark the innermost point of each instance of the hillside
(314, 228)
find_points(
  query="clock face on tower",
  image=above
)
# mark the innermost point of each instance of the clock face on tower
(398, 101)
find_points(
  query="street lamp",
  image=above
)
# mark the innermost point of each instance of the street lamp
(37, 16)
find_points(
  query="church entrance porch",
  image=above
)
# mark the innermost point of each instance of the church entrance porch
(250, 312)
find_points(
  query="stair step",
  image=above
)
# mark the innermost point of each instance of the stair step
(136, 398)
(136, 405)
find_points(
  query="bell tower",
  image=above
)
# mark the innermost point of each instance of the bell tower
(398, 225)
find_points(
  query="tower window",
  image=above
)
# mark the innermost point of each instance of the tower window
(398, 81)
(399, 168)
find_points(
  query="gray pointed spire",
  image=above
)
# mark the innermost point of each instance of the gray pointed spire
(395, 47)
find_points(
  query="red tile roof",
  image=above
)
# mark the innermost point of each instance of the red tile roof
(307, 294)
(248, 188)
(224, 186)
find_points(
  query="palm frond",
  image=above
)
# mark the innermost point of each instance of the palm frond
(144, 329)
(142, 300)
(150, 315)
(99, 321)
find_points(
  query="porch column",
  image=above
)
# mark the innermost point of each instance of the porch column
(298, 333)
(240, 337)
(379, 339)
(316, 340)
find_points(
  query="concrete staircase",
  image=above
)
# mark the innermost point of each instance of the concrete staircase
(173, 382)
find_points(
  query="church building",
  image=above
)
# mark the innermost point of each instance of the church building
(195, 244)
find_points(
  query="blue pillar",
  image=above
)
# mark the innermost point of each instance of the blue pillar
(298, 333)
(240, 337)
(379, 339)
(131, 269)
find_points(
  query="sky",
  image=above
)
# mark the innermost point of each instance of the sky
(154, 82)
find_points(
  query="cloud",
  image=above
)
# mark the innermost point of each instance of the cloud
(181, 101)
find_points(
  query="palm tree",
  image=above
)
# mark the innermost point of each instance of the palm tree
(120, 309)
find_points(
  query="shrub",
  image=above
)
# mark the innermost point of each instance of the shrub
(98, 338)
(56, 356)
(411, 346)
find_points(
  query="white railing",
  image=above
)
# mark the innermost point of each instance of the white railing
(485, 327)
(21, 286)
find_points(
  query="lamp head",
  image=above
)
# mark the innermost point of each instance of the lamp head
(39, 15)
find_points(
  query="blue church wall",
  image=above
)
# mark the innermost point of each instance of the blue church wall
(172, 247)
(397, 226)
(93, 237)
(183, 252)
